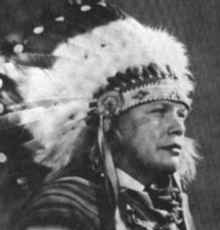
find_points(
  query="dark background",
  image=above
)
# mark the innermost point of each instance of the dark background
(195, 23)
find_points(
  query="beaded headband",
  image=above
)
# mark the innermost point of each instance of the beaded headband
(138, 87)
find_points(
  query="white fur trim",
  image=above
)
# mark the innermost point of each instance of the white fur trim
(188, 161)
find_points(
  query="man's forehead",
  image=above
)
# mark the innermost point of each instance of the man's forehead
(140, 110)
(168, 103)
(161, 103)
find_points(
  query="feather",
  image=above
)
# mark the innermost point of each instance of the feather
(52, 68)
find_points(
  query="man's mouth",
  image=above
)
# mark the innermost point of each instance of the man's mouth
(174, 148)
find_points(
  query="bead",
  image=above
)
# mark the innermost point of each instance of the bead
(85, 8)
(1, 108)
(60, 19)
(3, 158)
(128, 207)
(1, 83)
(21, 181)
(18, 48)
(101, 4)
(38, 30)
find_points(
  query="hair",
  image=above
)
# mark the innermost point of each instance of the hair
(188, 161)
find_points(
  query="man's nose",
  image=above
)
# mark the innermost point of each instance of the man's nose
(176, 126)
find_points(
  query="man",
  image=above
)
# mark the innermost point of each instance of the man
(106, 105)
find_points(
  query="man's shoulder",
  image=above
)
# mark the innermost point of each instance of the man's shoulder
(72, 190)
(75, 193)
(68, 201)
(71, 186)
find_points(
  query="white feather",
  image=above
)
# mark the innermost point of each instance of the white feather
(83, 65)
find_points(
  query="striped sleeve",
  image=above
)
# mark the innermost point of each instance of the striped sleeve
(70, 203)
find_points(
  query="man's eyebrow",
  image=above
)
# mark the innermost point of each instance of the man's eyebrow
(168, 105)
(165, 104)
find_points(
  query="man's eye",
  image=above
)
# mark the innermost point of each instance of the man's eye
(159, 111)
(183, 115)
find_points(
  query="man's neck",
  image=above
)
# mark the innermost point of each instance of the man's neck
(126, 181)
(162, 179)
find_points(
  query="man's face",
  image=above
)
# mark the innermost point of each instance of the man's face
(152, 136)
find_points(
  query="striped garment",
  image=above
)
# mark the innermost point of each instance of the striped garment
(68, 203)
(75, 203)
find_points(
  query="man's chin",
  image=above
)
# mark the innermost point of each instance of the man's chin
(170, 168)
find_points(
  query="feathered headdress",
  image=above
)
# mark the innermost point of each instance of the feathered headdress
(53, 70)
